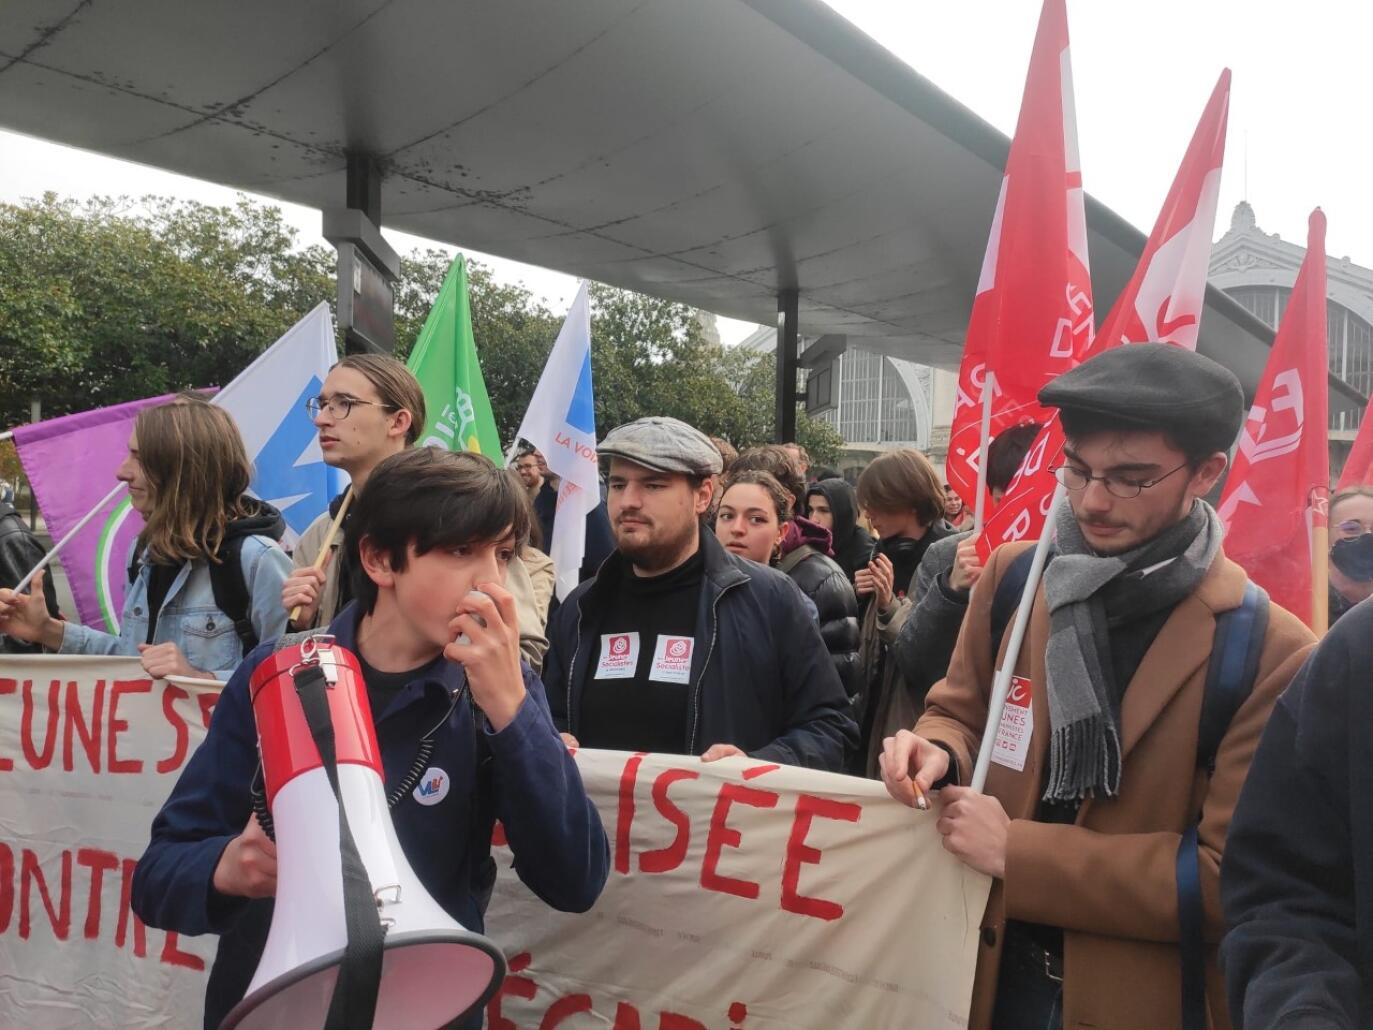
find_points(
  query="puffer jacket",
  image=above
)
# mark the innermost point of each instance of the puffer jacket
(823, 581)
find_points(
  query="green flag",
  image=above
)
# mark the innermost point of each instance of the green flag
(444, 360)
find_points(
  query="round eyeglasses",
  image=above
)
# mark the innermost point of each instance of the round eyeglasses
(1124, 487)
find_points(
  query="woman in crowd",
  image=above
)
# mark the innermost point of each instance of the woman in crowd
(205, 573)
(956, 513)
(904, 501)
(755, 522)
(1351, 549)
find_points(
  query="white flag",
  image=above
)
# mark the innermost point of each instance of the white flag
(267, 400)
(561, 422)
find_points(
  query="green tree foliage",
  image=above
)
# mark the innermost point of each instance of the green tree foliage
(116, 299)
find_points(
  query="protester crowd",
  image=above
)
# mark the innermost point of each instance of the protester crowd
(1173, 820)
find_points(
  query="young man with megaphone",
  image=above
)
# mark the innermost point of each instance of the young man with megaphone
(463, 736)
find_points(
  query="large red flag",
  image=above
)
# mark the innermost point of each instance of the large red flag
(1163, 301)
(1033, 308)
(1279, 486)
(1164, 298)
(1358, 468)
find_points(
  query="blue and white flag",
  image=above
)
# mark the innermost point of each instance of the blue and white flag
(267, 400)
(561, 422)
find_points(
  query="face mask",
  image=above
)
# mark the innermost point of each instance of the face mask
(1354, 557)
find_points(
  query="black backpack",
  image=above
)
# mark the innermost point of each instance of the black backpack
(229, 587)
(1230, 676)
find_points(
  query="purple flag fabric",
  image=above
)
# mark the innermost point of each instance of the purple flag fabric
(70, 463)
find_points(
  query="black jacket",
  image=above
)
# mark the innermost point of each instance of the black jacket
(763, 681)
(20, 551)
(852, 543)
(823, 581)
(1297, 880)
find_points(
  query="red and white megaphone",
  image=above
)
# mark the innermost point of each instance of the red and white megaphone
(432, 969)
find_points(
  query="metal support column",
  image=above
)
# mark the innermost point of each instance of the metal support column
(367, 266)
(788, 346)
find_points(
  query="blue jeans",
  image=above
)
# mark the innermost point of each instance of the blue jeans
(1027, 996)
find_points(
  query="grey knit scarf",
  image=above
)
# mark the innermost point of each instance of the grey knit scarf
(1087, 594)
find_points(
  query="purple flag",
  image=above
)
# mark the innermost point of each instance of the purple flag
(70, 462)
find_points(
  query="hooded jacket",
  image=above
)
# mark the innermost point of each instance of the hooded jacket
(804, 559)
(763, 680)
(851, 542)
(189, 616)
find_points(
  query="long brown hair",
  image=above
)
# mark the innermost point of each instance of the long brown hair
(396, 385)
(198, 474)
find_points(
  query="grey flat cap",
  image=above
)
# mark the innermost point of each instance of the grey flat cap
(663, 444)
(1155, 386)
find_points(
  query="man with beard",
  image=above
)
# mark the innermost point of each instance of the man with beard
(678, 646)
(1104, 815)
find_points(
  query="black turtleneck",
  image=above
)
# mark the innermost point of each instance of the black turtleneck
(646, 618)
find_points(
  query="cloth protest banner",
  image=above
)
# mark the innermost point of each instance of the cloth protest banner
(444, 360)
(748, 895)
(1276, 495)
(1032, 312)
(741, 893)
(1163, 302)
(70, 463)
(89, 749)
(561, 422)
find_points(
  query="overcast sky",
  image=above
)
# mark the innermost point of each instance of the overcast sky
(1142, 72)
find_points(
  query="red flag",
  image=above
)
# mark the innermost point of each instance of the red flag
(1279, 486)
(1358, 468)
(1033, 308)
(1164, 298)
(1163, 301)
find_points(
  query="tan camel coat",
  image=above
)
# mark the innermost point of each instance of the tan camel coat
(1109, 880)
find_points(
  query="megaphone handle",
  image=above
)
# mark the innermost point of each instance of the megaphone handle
(354, 1003)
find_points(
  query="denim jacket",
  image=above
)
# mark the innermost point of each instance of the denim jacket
(189, 617)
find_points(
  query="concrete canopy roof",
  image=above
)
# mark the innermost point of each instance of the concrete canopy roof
(710, 151)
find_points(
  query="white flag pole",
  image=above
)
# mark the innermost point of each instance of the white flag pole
(57, 547)
(988, 390)
(1001, 685)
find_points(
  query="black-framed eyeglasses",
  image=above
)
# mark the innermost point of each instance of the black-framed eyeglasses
(1126, 489)
(340, 407)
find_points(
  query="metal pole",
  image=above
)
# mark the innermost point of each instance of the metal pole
(1001, 685)
(788, 345)
(984, 440)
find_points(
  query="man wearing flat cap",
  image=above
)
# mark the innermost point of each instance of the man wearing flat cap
(1105, 810)
(678, 646)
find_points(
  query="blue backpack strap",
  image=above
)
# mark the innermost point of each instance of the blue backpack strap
(1007, 597)
(1230, 675)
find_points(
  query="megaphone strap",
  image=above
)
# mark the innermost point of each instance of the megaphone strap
(354, 1002)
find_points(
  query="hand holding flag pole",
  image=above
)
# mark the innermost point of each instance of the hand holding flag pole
(325, 550)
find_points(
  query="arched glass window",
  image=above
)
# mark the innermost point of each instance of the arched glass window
(1350, 341)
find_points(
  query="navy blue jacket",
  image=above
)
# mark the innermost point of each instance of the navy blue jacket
(1297, 879)
(761, 678)
(522, 775)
